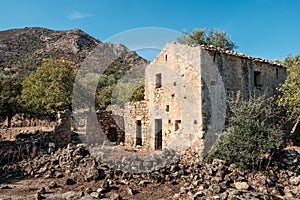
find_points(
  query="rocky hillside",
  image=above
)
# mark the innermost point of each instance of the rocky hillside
(23, 50)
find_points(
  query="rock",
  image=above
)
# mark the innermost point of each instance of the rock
(199, 194)
(215, 188)
(95, 195)
(144, 183)
(70, 181)
(295, 180)
(131, 191)
(59, 175)
(5, 187)
(224, 196)
(52, 185)
(115, 196)
(51, 147)
(38, 196)
(42, 190)
(94, 174)
(241, 185)
(105, 186)
(89, 190)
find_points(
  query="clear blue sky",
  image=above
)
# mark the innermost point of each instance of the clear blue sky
(263, 28)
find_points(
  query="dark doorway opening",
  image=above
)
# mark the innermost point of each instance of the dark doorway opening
(158, 134)
(138, 137)
(112, 135)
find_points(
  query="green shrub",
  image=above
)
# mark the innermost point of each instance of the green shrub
(49, 88)
(253, 130)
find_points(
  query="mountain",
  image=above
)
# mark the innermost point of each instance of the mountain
(23, 50)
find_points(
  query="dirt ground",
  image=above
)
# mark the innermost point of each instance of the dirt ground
(26, 189)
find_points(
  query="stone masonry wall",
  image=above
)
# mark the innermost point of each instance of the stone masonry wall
(177, 101)
(187, 88)
(100, 127)
(252, 77)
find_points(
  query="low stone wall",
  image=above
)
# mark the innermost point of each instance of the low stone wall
(22, 120)
(29, 143)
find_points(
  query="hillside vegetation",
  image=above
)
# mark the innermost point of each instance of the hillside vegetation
(35, 60)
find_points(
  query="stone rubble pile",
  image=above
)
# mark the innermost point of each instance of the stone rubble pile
(195, 179)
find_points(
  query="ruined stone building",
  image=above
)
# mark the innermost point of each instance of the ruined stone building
(186, 90)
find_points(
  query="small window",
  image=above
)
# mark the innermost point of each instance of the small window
(169, 121)
(277, 73)
(172, 95)
(177, 124)
(158, 80)
(166, 57)
(195, 122)
(258, 79)
(174, 83)
(167, 108)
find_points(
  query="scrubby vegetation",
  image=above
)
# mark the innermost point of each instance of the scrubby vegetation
(289, 99)
(253, 130)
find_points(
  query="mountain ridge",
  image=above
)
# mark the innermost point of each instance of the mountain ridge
(22, 50)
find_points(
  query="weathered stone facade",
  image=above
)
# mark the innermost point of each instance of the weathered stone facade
(186, 92)
(136, 124)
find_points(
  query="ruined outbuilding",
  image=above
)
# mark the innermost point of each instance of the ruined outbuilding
(186, 90)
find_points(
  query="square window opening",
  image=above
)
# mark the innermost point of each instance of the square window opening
(258, 79)
(167, 108)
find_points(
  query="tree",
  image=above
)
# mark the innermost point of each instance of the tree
(10, 93)
(290, 93)
(49, 88)
(253, 130)
(118, 83)
(214, 37)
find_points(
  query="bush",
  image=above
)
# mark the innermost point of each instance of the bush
(253, 130)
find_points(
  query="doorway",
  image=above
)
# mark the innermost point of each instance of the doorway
(138, 136)
(112, 134)
(158, 134)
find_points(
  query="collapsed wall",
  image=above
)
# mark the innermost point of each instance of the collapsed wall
(99, 127)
